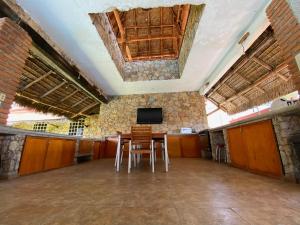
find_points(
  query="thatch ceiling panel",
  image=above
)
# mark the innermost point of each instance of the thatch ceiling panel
(259, 76)
(47, 89)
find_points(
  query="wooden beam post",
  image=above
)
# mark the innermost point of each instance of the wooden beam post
(77, 103)
(53, 89)
(69, 96)
(37, 80)
(85, 109)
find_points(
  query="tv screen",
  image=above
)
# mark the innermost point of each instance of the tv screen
(149, 116)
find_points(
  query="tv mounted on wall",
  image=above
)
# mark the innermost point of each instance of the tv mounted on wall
(149, 116)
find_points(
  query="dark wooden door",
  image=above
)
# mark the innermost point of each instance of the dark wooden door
(33, 156)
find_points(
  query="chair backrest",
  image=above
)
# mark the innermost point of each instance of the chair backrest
(141, 134)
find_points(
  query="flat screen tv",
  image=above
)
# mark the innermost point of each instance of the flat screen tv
(149, 116)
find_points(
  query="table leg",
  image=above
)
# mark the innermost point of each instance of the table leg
(166, 153)
(118, 153)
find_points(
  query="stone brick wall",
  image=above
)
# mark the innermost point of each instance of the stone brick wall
(287, 32)
(14, 46)
(11, 147)
(184, 109)
(285, 127)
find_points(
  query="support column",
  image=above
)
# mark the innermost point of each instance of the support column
(284, 18)
(14, 46)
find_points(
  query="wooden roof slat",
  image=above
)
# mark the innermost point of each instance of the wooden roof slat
(53, 89)
(256, 83)
(37, 80)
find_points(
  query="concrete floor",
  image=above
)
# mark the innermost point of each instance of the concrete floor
(195, 192)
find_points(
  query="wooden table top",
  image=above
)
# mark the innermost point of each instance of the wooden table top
(154, 136)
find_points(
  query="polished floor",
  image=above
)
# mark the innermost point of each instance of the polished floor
(194, 192)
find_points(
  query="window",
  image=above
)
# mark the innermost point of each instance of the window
(40, 127)
(76, 128)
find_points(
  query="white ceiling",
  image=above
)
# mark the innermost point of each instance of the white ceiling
(223, 23)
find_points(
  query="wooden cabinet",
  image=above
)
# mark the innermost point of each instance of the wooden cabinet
(188, 146)
(86, 147)
(111, 147)
(40, 154)
(54, 154)
(96, 150)
(254, 147)
(67, 158)
(33, 156)
(174, 146)
(238, 153)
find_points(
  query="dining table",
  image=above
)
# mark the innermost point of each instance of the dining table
(158, 137)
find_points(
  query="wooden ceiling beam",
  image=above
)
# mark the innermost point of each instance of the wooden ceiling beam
(153, 56)
(256, 83)
(69, 96)
(185, 15)
(46, 104)
(37, 80)
(262, 63)
(128, 53)
(79, 102)
(151, 26)
(85, 109)
(284, 78)
(147, 39)
(53, 89)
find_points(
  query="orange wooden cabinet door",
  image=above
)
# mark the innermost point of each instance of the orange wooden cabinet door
(174, 147)
(237, 149)
(86, 147)
(111, 147)
(263, 155)
(190, 146)
(54, 154)
(96, 149)
(67, 158)
(33, 156)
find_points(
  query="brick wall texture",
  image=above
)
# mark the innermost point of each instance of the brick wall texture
(287, 32)
(14, 46)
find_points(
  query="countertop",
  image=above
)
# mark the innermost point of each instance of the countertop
(291, 110)
(6, 130)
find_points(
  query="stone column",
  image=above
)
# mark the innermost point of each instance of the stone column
(284, 16)
(14, 46)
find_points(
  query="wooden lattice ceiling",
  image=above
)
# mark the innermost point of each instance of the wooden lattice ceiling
(259, 76)
(150, 34)
(46, 87)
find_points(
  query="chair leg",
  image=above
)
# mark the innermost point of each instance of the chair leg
(129, 158)
(153, 159)
(134, 159)
(121, 158)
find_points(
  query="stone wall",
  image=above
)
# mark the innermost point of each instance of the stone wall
(219, 137)
(184, 109)
(285, 127)
(11, 147)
